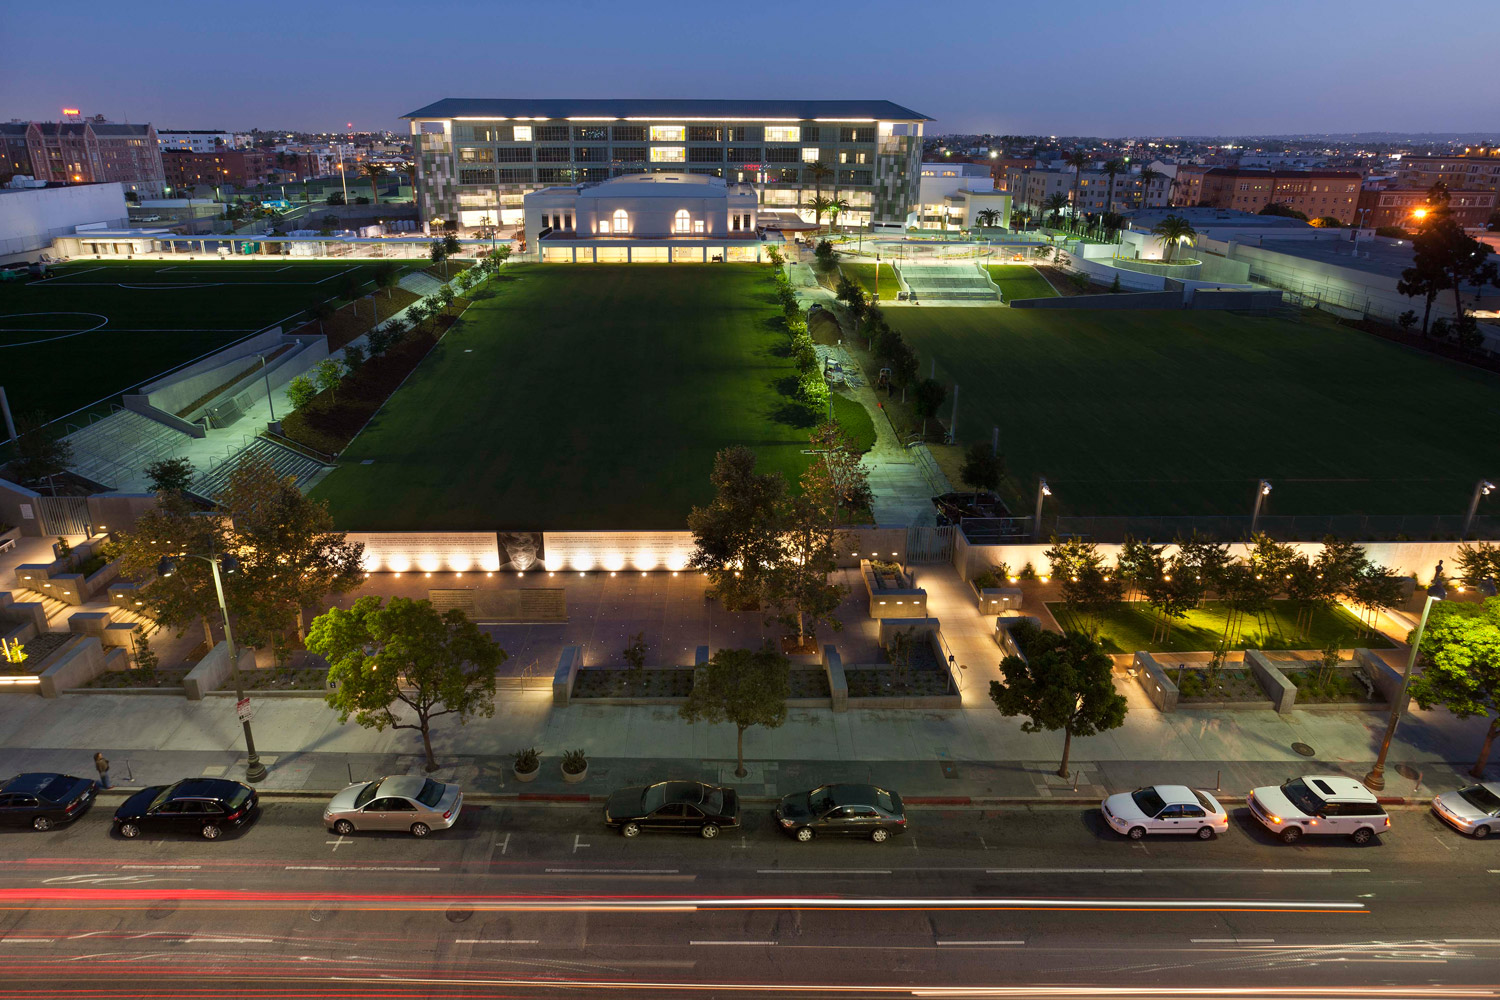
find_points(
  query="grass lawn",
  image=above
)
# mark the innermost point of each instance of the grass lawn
(1160, 413)
(582, 397)
(1020, 281)
(133, 320)
(865, 275)
(1128, 629)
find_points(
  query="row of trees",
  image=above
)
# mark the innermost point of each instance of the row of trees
(1446, 258)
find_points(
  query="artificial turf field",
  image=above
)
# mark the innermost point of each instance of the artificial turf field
(582, 397)
(92, 329)
(1162, 413)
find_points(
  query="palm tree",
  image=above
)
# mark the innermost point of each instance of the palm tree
(1077, 160)
(835, 206)
(988, 218)
(820, 207)
(374, 171)
(1147, 176)
(1056, 202)
(820, 172)
(1174, 229)
(1112, 168)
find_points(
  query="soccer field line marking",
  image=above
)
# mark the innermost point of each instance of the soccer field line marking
(336, 274)
(70, 274)
(61, 335)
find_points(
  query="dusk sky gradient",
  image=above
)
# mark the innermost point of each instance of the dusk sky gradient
(1074, 67)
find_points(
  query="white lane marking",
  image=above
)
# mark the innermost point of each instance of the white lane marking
(1441, 840)
(496, 941)
(762, 943)
(822, 871)
(578, 842)
(1169, 871)
(504, 844)
(1232, 940)
(611, 871)
(340, 842)
(12, 940)
(168, 868)
(361, 868)
(1471, 940)
(976, 943)
(228, 940)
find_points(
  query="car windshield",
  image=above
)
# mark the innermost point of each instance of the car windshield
(883, 799)
(1205, 801)
(366, 794)
(431, 793)
(1148, 801)
(1481, 798)
(57, 787)
(166, 793)
(1305, 799)
(713, 802)
(240, 797)
(655, 797)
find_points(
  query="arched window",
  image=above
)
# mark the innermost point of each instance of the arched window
(622, 221)
(684, 223)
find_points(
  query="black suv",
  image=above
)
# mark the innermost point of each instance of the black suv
(206, 806)
(41, 801)
(843, 810)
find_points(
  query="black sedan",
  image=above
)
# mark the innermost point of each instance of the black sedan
(43, 800)
(207, 806)
(673, 805)
(842, 810)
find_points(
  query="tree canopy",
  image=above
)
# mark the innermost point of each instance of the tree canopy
(744, 688)
(1460, 652)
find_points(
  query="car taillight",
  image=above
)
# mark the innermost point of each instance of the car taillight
(235, 815)
(1387, 821)
(902, 821)
(447, 814)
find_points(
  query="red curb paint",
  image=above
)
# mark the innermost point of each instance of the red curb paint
(938, 800)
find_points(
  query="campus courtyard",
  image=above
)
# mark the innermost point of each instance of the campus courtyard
(584, 397)
(1181, 412)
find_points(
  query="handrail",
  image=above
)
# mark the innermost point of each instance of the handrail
(298, 446)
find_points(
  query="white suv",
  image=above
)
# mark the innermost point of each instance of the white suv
(1319, 803)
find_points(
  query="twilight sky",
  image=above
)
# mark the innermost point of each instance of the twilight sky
(1065, 67)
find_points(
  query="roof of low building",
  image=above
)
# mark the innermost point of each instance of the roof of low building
(663, 110)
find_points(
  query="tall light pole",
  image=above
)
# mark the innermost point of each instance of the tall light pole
(1262, 490)
(1376, 778)
(1362, 213)
(1042, 491)
(1483, 489)
(267, 375)
(254, 769)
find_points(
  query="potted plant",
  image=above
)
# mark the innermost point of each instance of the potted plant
(528, 764)
(575, 766)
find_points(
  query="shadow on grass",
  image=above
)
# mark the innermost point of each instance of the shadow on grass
(796, 415)
(787, 386)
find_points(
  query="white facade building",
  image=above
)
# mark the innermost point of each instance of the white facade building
(32, 217)
(951, 196)
(194, 140)
(637, 218)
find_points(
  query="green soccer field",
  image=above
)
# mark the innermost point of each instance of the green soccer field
(1020, 281)
(92, 330)
(581, 397)
(1162, 413)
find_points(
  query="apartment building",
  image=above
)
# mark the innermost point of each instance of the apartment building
(88, 151)
(194, 140)
(1476, 170)
(235, 167)
(479, 157)
(1315, 193)
(1395, 204)
(1096, 192)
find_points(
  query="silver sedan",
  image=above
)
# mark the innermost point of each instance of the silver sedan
(405, 802)
(1475, 810)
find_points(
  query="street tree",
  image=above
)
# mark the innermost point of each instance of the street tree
(1088, 588)
(328, 373)
(1063, 682)
(451, 248)
(927, 399)
(439, 255)
(1138, 561)
(849, 479)
(1460, 649)
(1478, 563)
(798, 584)
(187, 597)
(354, 357)
(404, 665)
(982, 469)
(387, 276)
(373, 171)
(170, 475)
(744, 688)
(1375, 589)
(988, 218)
(737, 536)
(321, 311)
(301, 391)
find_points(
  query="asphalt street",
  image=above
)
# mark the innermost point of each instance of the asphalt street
(541, 900)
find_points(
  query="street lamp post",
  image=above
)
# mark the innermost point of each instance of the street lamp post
(1362, 213)
(1482, 489)
(1376, 778)
(254, 769)
(1042, 491)
(267, 375)
(1262, 490)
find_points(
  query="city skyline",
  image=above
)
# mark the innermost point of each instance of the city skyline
(1090, 70)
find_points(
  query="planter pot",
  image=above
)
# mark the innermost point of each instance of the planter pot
(527, 775)
(574, 779)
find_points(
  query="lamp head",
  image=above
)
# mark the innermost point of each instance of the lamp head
(166, 566)
(229, 564)
(1487, 587)
(1437, 591)
(1486, 487)
(1265, 488)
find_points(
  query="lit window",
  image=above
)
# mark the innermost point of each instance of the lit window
(809, 154)
(783, 133)
(622, 221)
(697, 225)
(668, 133)
(604, 225)
(683, 222)
(668, 154)
(522, 133)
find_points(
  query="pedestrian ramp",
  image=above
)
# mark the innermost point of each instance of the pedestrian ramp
(963, 282)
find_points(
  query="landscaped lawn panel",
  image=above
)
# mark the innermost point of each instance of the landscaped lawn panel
(1128, 629)
(1162, 413)
(1020, 281)
(865, 275)
(580, 397)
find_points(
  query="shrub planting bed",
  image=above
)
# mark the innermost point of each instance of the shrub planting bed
(166, 678)
(881, 682)
(809, 683)
(1233, 685)
(616, 682)
(1342, 686)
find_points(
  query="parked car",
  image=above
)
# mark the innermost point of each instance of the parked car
(207, 806)
(1319, 804)
(1165, 809)
(404, 802)
(1474, 810)
(43, 800)
(673, 805)
(841, 810)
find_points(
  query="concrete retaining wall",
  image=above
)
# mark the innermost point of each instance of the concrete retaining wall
(1155, 682)
(31, 613)
(838, 684)
(79, 661)
(1281, 691)
(18, 507)
(1133, 300)
(568, 662)
(213, 670)
(1386, 678)
(119, 511)
(898, 602)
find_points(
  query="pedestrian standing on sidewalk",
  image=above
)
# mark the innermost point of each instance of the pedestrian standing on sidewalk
(103, 765)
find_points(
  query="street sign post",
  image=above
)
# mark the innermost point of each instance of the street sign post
(242, 709)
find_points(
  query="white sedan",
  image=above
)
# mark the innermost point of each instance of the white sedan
(1165, 809)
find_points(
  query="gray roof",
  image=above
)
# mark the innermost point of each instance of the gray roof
(480, 107)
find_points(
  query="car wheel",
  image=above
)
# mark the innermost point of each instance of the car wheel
(43, 823)
(343, 828)
(1363, 835)
(1291, 835)
(1206, 833)
(630, 830)
(710, 831)
(880, 835)
(129, 831)
(211, 832)
(420, 829)
(1137, 832)
(805, 834)
(1480, 832)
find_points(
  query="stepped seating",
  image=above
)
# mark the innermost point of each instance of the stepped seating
(284, 462)
(963, 282)
(116, 449)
